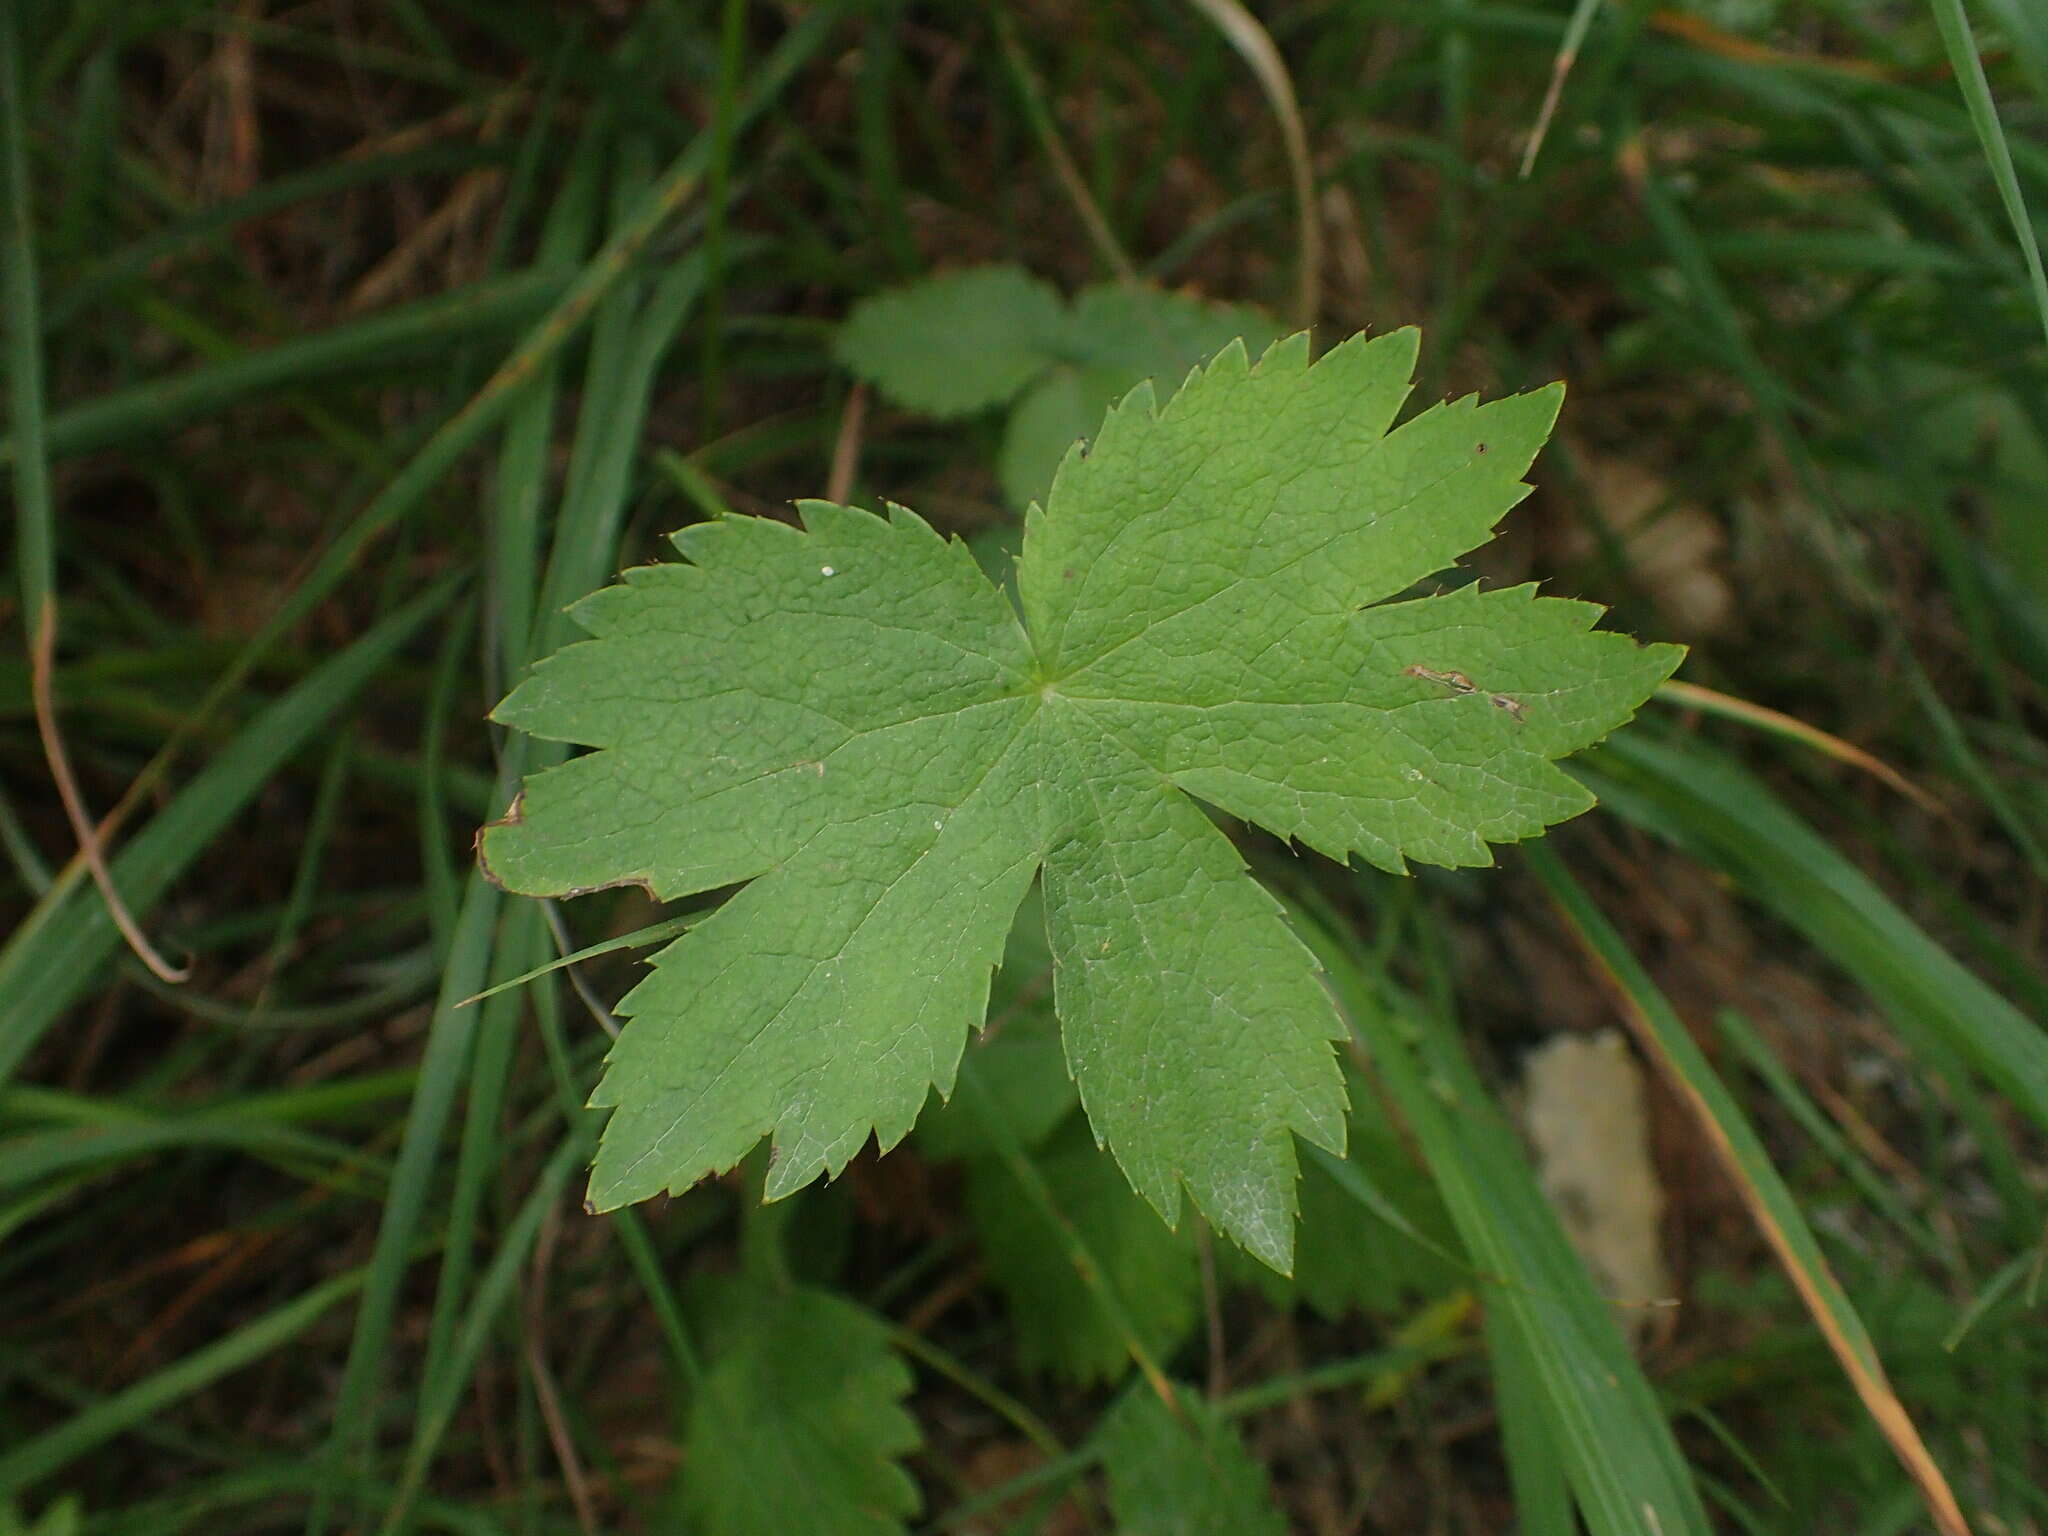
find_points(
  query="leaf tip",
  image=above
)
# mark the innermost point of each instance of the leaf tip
(1140, 403)
(1396, 351)
(1289, 354)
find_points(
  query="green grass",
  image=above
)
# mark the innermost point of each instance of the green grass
(295, 1244)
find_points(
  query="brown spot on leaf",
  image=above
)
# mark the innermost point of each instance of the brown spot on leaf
(1457, 682)
(515, 817)
(512, 818)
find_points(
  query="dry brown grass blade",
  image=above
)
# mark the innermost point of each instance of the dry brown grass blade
(1712, 701)
(202, 1249)
(1707, 37)
(1553, 93)
(1243, 32)
(1866, 1374)
(546, 1395)
(89, 846)
(846, 447)
(1665, 1041)
(464, 206)
(499, 106)
(143, 1346)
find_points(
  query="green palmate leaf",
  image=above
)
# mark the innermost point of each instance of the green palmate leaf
(799, 1424)
(853, 721)
(1181, 1475)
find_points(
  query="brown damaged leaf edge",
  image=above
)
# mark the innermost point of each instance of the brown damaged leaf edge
(516, 816)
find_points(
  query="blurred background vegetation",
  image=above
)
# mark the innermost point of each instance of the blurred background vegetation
(348, 340)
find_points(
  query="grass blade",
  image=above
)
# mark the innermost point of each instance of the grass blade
(1954, 22)
(62, 947)
(1254, 45)
(1731, 820)
(1667, 1042)
(35, 555)
(496, 1289)
(1543, 1495)
(1602, 1417)
(443, 1067)
(451, 1033)
(1560, 69)
(1870, 1183)
(30, 1159)
(47, 1453)
(133, 262)
(376, 342)
(639, 938)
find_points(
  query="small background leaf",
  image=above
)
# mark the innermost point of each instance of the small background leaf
(1059, 1325)
(1373, 1233)
(1346, 1257)
(962, 342)
(955, 344)
(1181, 1476)
(798, 1424)
(1115, 336)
